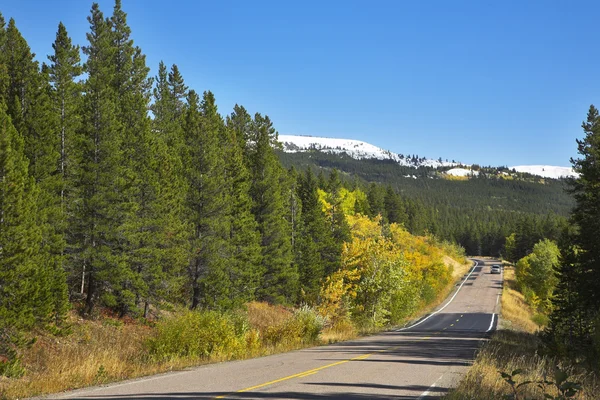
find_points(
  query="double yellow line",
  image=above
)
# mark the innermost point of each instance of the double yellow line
(298, 375)
(313, 371)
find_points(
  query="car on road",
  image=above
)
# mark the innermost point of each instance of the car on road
(495, 269)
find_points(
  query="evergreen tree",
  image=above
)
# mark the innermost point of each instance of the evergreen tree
(139, 250)
(322, 182)
(376, 200)
(394, 208)
(244, 260)
(21, 69)
(240, 123)
(315, 239)
(27, 293)
(30, 106)
(207, 202)
(3, 62)
(66, 103)
(99, 176)
(280, 281)
(294, 205)
(171, 233)
(575, 320)
(586, 214)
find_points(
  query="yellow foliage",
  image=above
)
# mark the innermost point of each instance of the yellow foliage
(348, 200)
(385, 274)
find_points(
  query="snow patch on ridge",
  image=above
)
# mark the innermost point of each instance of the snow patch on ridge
(546, 171)
(461, 172)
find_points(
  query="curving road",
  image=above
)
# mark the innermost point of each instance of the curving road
(418, 362)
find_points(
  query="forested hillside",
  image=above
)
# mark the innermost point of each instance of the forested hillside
(479, 212)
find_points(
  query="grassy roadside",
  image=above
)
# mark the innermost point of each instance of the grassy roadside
(109, 349)
(516, 345)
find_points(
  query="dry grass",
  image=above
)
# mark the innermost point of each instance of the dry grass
(342, 330)
(510, 350)
(516, 346)
(94, 353)
(516, 313)
(262, 315)
(458, 269)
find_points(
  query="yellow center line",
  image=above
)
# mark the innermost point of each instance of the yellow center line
(451, 324)
(298, 375)
(315, 370)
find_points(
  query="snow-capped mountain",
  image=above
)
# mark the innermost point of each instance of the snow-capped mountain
(546, 171)
(356, 149)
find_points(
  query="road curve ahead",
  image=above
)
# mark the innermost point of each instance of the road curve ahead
(419, 362)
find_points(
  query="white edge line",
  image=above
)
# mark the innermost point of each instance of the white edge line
(426, 393)
(91, 389)
(445, 305)
(491, 323)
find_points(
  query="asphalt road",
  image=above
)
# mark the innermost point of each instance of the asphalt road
(419, 362)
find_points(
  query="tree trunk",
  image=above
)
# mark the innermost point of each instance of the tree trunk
(89, 302)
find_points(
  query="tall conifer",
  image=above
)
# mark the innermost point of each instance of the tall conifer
(99, 177)
(65, 96)
(207, 202)
(244, 265)
(315, 238)
(280, 282)
(26, 298)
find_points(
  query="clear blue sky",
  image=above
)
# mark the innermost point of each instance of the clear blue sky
(491, 82)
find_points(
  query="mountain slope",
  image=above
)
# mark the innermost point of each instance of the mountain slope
(360, 150)
(356, 149)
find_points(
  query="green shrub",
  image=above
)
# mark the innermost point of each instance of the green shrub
(199, 334)
(540, 319)
(310, 323)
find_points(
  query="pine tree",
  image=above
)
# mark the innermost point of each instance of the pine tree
(207, 202)
(99, 176)
(65, 97)
(244, 261)
(315, 238)
(376, 196)
(31, 107)
(20, 68)
(240, 123)
(575, 319)
(394, 208)
(3, 62)
(280, 281)
(171, 231)
(293, 204)
(26, 298)
(64, 69)
(140, 253)
(586, 214)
